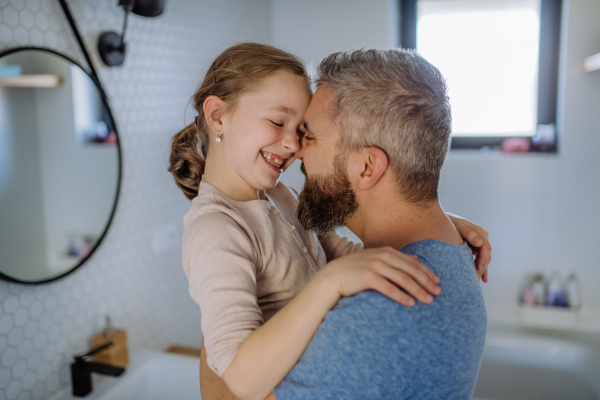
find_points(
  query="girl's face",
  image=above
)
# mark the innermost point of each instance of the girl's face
(260, 135)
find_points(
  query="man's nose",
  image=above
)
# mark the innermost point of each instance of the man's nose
(300, 152)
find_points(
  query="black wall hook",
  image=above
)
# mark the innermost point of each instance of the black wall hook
(111, 45)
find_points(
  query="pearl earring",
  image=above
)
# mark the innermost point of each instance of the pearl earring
(219, 137)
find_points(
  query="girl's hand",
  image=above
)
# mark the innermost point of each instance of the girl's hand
(383, 269)
(477, 237)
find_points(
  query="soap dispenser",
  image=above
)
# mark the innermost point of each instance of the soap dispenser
(117, 354)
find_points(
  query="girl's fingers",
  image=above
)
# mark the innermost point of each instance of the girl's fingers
(471, 236)
(386, 288)
(482, 271)
(416, 271)
(484, 256)
(485, 276)
(408, 284)
(431, 275)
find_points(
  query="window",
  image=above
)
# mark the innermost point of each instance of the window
(500, 60)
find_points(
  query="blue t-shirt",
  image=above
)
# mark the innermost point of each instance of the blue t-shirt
(370, 347)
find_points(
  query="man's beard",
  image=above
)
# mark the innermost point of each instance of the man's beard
(326, 202)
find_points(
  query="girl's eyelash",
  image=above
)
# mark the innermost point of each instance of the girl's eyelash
(276, 124)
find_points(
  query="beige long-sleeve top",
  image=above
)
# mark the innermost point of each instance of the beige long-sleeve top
(245, 260)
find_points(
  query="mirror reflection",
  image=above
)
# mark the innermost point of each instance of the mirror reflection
(59, 166)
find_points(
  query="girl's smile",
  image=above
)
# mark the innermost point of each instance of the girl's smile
(273, 160)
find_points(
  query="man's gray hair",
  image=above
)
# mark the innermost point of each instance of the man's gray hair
(396, 101)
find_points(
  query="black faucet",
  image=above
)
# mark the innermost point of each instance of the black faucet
(82, 368)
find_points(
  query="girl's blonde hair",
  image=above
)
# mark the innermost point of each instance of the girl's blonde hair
(237, 70)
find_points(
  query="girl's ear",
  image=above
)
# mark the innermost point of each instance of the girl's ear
(213, 108)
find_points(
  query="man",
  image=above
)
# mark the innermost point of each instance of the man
(386, 117)
(377, 133)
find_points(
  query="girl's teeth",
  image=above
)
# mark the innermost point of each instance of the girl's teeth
(273, 162)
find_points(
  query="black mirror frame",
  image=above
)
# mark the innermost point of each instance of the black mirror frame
(119, 167)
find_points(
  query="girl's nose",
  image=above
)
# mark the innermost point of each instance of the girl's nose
(290, 141)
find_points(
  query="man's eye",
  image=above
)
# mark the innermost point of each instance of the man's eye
(304, 135)
(276, 124)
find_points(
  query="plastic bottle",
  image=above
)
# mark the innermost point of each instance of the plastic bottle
(573, 291)
(539, 289)
(527, 293)
(557, 296)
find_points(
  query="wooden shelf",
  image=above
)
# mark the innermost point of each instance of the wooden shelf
(31, 81)
(592, 63)
(188, 351)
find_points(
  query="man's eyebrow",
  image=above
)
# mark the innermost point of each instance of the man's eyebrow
(306, 128)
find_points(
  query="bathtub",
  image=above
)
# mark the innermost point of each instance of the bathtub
(530, 364)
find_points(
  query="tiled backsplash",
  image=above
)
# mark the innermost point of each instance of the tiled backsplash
(41, 327)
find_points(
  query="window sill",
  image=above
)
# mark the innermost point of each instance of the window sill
(496, 154)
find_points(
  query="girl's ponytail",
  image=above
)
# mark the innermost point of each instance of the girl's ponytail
(186, 164)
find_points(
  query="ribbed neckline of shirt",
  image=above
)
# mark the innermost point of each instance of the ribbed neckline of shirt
(241, 204)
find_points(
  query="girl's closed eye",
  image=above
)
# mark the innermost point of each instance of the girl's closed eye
(277, 124)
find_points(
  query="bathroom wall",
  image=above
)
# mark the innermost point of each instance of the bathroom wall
(142, 287)
(313, 29)
(541, 209)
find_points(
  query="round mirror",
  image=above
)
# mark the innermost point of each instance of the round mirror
(60, 165)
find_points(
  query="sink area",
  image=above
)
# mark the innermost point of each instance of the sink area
(151, 375)
(518, 364)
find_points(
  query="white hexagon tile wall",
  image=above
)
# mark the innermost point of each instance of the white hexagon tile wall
(42, 326)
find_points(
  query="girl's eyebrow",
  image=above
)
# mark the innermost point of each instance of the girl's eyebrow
(284, 109)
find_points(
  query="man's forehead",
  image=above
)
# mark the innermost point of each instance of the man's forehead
(324, 96)
(318, 114)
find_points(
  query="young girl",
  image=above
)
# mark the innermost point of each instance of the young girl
(261, 281)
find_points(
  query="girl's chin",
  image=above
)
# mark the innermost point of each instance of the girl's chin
(271, 182)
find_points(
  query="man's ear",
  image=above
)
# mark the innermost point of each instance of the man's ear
(374, 164)
(213, 108)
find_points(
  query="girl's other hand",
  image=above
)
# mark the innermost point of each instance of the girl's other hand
(383, 269)
(477, 237)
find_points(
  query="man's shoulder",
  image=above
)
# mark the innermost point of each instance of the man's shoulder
(439, 250)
